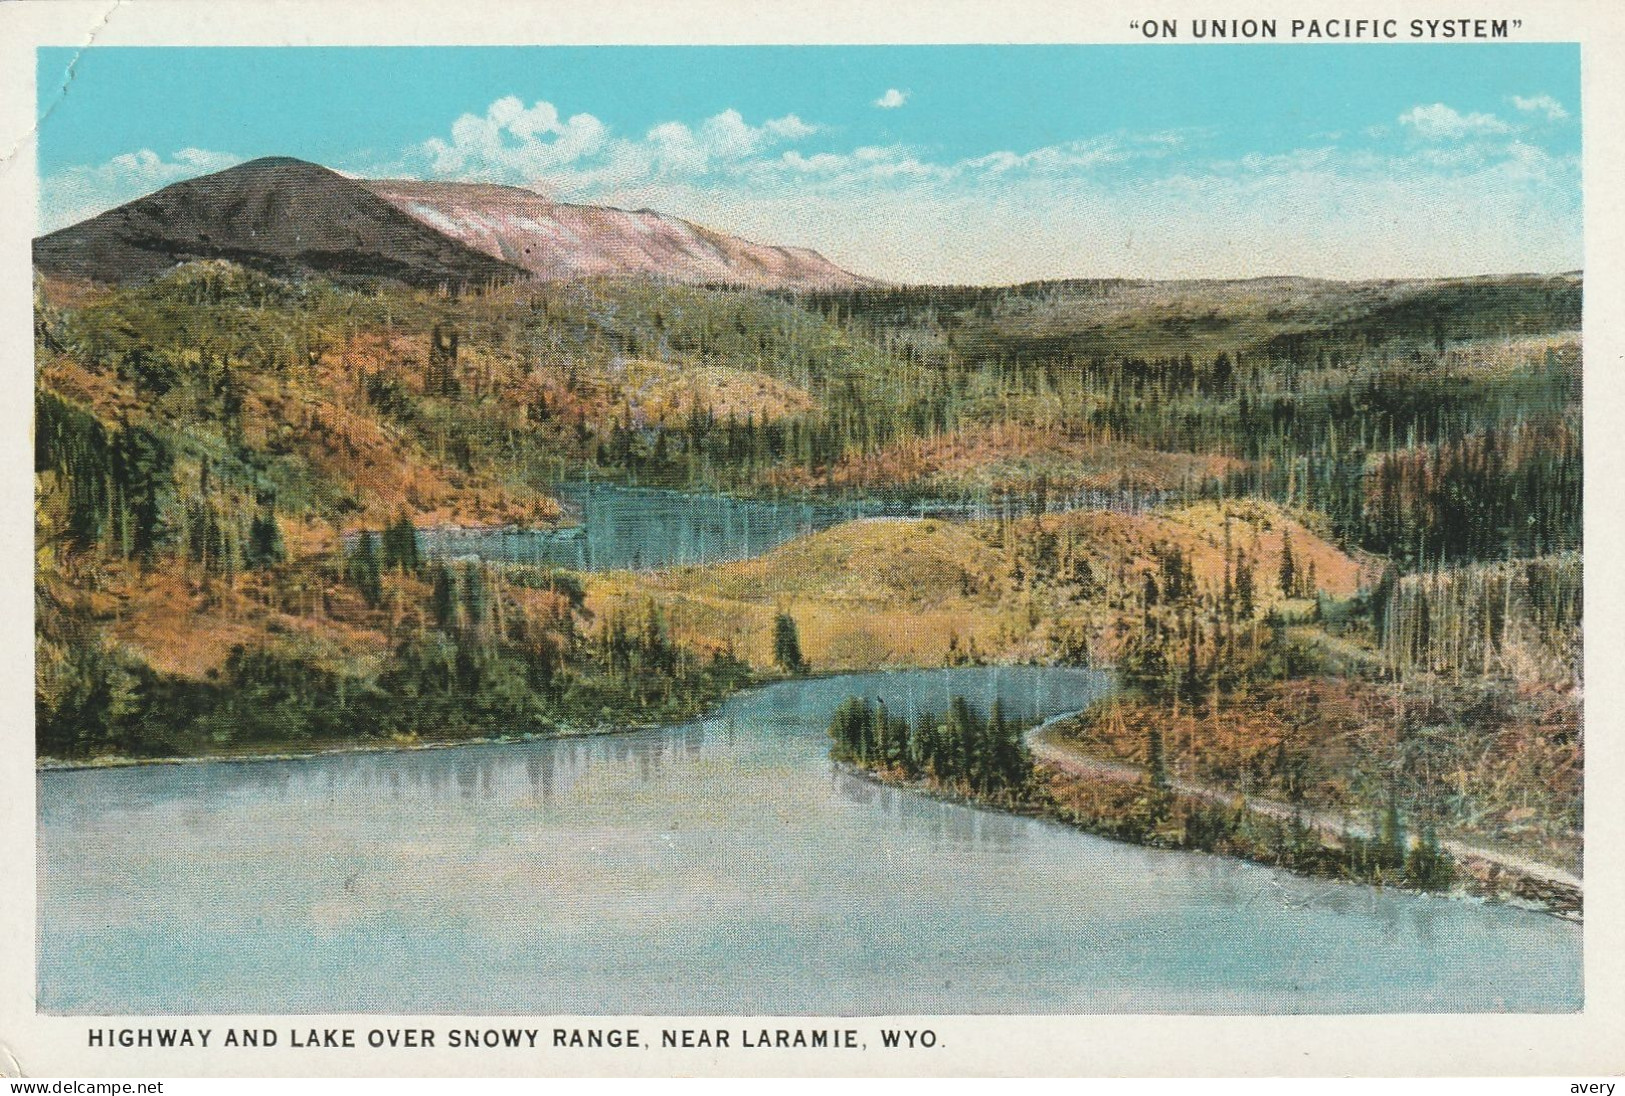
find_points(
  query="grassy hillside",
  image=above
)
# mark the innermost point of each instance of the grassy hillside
(889, 593)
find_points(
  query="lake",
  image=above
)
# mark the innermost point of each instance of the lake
(634, 528)
(720, 867)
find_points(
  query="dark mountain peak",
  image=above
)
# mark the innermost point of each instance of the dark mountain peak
(287, 216)
(282, 161)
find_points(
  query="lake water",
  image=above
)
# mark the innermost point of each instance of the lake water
(646, 529)
(723, 867)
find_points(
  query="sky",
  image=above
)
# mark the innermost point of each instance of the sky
(971, 164)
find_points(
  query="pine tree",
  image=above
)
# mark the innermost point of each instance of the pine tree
(1289, 568)
(362, 568)
(1158, 764)
(787, 645)
(443, 601)
(1244, 586)
(265, 545)
(476, 601)
(401, 545)
(1391, 838)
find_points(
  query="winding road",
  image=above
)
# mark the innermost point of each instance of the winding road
(1047, 751)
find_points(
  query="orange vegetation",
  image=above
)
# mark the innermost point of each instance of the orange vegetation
(1016, 458)
(1513, 778)
(182, 621)
(667, 392)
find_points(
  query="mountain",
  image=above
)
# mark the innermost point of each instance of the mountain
(289, 217)
(281, 215)
(554, 240)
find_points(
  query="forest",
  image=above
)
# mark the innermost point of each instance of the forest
(1327, 535)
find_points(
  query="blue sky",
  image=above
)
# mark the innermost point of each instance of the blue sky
(976, 163)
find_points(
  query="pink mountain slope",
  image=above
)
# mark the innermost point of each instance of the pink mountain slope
(557, 241)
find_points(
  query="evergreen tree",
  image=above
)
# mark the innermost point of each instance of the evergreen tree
(362, 568)
(443, 601)
(476, 602)
(265, 545)
(787, 645)
(1158, 764)
(1391, 844)
(401, 545)
(1244, 586)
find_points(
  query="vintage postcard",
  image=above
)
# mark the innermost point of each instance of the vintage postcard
(729, 540)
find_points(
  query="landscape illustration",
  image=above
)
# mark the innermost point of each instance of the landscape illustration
(809, 531)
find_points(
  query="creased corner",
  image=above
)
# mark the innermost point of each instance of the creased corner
(67, 80)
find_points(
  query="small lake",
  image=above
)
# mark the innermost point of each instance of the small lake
(633, 528)
(721, 867)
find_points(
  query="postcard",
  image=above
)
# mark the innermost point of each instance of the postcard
(884, 541)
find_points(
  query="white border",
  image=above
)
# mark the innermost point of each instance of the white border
(1592, 1042)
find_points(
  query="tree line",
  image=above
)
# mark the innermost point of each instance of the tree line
(961, 749)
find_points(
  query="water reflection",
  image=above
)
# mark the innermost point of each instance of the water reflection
(724, 866)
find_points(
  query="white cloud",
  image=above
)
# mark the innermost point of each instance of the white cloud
(818, 163)
(873, 163)
(71, 195)
(892, 99)
(789, 128)
(1437, 122)
(1301, 159)
(511, 142)
(1541, 104)
(1069, 157)
(727, 135)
